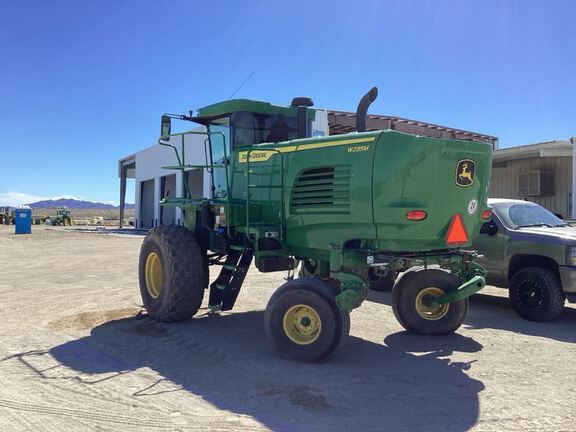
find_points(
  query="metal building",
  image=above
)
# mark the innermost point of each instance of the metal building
(153, 183)
(541, 173)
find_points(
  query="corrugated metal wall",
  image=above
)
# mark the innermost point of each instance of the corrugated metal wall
(504, 181)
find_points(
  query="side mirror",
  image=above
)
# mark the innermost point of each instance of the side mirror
(489, 228)
(165, 128)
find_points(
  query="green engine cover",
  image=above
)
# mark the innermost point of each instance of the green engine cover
(331, 193)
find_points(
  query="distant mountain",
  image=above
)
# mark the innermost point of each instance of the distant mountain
(75, 204)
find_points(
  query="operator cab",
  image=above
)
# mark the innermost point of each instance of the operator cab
(242, 122)
(251, 122)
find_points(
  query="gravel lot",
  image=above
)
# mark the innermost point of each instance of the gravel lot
(76, 353)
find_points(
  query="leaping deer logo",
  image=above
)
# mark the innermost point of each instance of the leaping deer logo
(465, 172)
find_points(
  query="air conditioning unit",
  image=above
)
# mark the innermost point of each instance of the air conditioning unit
(536, 183)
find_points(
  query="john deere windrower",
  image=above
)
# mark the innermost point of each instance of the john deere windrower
(340, 206)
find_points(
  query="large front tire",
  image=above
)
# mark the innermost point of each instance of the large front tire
(173, 271)
(409, 302)
(303, 322)
(536, 294)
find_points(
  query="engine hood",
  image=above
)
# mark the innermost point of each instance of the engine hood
(559, 235)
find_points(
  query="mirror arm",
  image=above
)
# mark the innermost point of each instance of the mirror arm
(179, 116)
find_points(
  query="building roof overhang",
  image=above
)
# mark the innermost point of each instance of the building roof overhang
(128, 164)
(341, 122)
(555, 148)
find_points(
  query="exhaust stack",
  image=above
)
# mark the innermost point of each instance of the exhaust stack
(362, 109)
(302, 104)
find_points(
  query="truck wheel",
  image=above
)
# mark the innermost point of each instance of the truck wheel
(378, 283)
(303, 322)
(536, 294)
(409, 302)
(173, 272)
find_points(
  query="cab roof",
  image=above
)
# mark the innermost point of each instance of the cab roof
(259, 107)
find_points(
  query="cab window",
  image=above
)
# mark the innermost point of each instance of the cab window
(250, 128)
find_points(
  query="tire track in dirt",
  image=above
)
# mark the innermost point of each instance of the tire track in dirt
(552, 423)
(215, 425)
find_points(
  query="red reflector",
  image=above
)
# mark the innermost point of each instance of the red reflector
(416, 215)
(456, 234)
(487, 214)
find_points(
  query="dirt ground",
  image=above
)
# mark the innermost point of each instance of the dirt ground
(77, 354)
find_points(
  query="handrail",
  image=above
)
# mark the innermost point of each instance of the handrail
(282, 212)
(182, 165)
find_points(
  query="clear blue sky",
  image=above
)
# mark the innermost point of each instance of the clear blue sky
(83, 83)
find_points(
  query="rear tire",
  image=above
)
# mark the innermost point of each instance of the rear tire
(173, 272)
(303, 322)
(409, 302)
(536, 294)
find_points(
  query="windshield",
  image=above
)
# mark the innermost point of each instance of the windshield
(519, 215)
(251, 128)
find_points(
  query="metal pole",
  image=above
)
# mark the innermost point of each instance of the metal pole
(573, 141)
(123, 176)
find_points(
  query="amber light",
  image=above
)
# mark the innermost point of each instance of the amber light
(416, 215)
(487, 214)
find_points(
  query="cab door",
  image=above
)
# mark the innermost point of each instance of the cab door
(220, 152)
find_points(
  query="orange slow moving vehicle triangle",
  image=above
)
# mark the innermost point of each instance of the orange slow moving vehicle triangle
(456, 234)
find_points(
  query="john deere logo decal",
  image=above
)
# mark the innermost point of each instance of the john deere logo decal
(465, 172)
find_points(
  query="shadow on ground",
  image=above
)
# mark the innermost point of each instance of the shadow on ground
(405, 384)
(490, 311)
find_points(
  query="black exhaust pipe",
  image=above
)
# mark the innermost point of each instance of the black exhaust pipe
(362, 109)
(302, 104)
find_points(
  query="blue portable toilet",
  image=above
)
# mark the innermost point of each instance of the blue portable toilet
(23, 221)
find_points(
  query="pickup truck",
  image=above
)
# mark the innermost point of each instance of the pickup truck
(531, 252)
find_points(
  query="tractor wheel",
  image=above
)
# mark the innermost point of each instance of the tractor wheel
(536, 294)
(303, 322)
(378, 283)
(409, 302)
(173, 271)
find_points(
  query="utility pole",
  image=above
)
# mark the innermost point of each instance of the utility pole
(573, 194)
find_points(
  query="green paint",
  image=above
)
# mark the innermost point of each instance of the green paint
(353, 290)
(222, 109)
(465, 290)
(341, 201)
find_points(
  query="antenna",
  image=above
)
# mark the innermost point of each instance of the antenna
(241, 85)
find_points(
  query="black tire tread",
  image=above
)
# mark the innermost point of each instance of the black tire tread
(418, 276)
(555, 297)
(187, 267)
(328, 292)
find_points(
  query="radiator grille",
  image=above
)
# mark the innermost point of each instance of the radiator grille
(325, 189)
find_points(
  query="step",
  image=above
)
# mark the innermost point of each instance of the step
(220, 286)
(275, 263)
(238, 248)
(230, 267)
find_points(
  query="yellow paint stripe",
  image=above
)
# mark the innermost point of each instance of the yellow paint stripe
(334, 143)
(287, 149)
(267, 153)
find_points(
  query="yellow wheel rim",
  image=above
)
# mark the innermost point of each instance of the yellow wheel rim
(426, 312)
(154, 274)
(302, 324)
